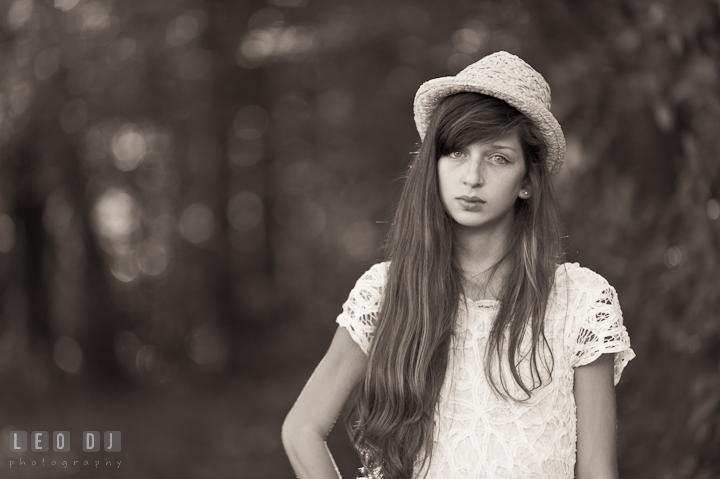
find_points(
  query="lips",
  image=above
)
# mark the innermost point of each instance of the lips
(471, 203)
(471, 199)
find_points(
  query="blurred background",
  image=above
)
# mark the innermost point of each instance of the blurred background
(189, 190)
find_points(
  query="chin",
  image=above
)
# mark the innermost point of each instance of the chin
(478, 222)
(470, 222)
(475, 226)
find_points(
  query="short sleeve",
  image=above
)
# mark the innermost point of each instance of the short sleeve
(359, 314)
(601, 330)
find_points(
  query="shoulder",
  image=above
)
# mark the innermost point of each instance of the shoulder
(376, 275)
(591, 301)
(596, 325)
(584, 295)
(359, 314)
(574, 277)
(367, 292)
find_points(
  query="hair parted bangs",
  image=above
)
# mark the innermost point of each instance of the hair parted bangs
(467, 118)
(391, 423)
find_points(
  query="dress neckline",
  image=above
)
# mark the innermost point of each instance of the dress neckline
(480, 303)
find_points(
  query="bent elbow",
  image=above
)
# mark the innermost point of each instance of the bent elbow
(297, 432)
(292, 431)
(288, 432)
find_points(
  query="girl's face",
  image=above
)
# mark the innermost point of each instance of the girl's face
(480, 183)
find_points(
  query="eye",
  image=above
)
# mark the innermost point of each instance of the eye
(499, 159)
(456, 154)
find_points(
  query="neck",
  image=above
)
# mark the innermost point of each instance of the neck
(477, 251)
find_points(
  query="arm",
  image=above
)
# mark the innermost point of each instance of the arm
(596, 420)
(312, 417)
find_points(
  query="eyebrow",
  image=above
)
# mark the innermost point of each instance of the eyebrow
(502, 147)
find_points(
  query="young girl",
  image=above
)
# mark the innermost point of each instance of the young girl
(474, 352)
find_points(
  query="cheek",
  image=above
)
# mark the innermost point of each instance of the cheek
(442, 177)
(445, 184)
(513, 181)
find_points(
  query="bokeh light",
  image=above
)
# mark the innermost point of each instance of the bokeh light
(713, 209)
(265, 18)
(245, 152)
(245, 211)
(21, 98)
(186, 27)
(125, 267)
(206, 347)
(128, 147)
(270, 37)
(117, 216)
(251, 122)
(94, 18)
(120, 52)
(197, 223)
(675, 256)
(182, 30)
(127, 346)
(152, 257)
(68, 355)
(65, 5)
(18, 14)
(467, 41)
(152, 365)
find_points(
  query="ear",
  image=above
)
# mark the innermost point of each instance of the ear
(525, 190)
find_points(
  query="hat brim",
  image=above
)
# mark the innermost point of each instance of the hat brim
(432, 92)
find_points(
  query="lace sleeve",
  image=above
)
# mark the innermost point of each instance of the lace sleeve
(360, 310)
(602, 331)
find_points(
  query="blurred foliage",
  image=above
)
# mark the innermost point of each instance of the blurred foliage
(189, 189)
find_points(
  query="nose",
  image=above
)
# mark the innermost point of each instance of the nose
(475, 173)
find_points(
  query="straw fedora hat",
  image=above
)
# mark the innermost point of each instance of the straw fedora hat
(504, 76)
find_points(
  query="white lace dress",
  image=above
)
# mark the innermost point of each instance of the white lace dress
(479, 435)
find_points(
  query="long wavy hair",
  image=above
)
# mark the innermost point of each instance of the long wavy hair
(391, 423)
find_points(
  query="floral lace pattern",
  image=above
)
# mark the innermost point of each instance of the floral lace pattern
(477, 433)
(361, 308)
(603, 326)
